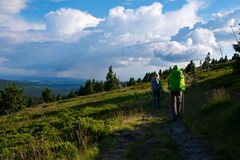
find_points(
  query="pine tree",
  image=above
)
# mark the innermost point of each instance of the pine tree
(139, 80)
(111, 80)
(132, 82)
(99, 86)
(160, 73)
(206, 62)
(236, 47)
(89, 87)
(190, 67)
(47, 95)
(11, 99)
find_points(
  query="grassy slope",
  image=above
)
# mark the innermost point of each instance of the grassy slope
(86, 127)
(79, 128)
(212, 110)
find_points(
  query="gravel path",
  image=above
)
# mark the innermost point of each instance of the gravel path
(189, 147)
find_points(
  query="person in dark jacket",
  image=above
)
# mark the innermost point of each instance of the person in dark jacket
(176, 85)
(156, 87)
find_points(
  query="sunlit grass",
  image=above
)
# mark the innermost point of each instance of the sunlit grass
(216, 98)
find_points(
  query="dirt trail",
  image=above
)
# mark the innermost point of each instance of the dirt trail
(123, 140)
(189, 148)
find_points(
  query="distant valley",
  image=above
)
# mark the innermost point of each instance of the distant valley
(33, 86)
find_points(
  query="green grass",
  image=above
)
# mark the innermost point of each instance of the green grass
(86, 128)
(212, 110)
(77, 128)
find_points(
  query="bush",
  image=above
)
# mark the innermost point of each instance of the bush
(64, 150)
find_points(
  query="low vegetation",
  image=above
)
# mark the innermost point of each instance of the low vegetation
(87, 127)
(212, 109)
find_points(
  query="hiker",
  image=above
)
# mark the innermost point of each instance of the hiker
(176, 85)
(156, 87)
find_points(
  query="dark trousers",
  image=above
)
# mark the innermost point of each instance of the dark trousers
(175, 103)
(156, 100)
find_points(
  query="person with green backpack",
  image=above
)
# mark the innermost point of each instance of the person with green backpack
(176, 85)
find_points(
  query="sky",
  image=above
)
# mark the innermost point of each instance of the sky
(83, 38)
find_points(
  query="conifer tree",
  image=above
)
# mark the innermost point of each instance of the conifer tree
(47, 95)
(132, 82)
(89, 87)
(11, 99)
(190, 67)
(111, 80)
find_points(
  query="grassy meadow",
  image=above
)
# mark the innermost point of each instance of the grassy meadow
(90, 127)
(78, 128)
(212, 110)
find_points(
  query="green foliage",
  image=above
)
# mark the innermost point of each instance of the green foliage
(64, 130)
(131, 82)
(206, 62)
(217, 98)
(11, 99)
(236, 47)
(47, 95)
(111, 80)
(237, 65)
(148, 76)
(91, 86)
(64, 150)
(190, 67)
(211, 109)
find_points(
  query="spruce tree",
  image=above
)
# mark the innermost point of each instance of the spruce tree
(47, 95)
(132, 82)
(11, 99)
(111, 80)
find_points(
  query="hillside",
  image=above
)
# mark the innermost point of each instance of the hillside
(212, 110)
(119, 124)
(33, 86)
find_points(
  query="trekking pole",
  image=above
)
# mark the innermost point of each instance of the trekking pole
(183, 102)
(169, 104)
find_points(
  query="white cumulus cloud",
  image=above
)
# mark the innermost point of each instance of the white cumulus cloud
(12, 6)
(133, 41)
(69, 21)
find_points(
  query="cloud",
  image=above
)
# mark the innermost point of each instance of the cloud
(12, 7)
(66, 22)
(3, 60)
(14, 28)
(151, 19)
(194, 45)
(74, 43)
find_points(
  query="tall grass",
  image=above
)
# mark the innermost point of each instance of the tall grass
(215, 99)
(212, 111)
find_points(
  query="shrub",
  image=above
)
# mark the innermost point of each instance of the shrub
(64, 150)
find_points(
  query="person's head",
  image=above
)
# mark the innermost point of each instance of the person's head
(175, 67)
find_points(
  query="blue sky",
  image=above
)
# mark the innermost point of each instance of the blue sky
(81, 39)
